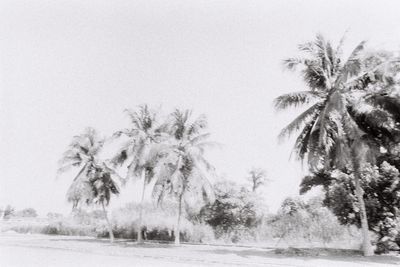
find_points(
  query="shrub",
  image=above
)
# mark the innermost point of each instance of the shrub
(381, 195)
(125, 222)
(26, 229)
(65, 228)
(235, 208)
(201, 233)
(29, 212)
(8, 212)
(299, 222)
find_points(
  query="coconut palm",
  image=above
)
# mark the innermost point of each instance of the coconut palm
(103, 187)
(94, 182)
(183, 172)
(142, 150)
(330, 133)
(82, 153)
(257, 177)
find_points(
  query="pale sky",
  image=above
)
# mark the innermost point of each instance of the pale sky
(66, 65)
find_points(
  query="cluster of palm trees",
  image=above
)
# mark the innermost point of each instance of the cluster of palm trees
(353, 112)
(168, 154)
(353, 109)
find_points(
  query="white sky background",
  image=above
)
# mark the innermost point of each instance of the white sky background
(66, 65)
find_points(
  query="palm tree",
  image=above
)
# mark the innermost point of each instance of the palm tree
(257, 177)
(82, 153)
(103, 186)
(330, 133)
(142, 150)
(94, 182)
(183, 172)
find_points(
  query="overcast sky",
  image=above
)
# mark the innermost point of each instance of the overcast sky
(66, 65)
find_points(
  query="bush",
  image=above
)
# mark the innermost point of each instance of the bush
(235, 208)
(381, 196)
(26, 229)
(8, 212)
(27, 213)
(125, 222)
(310, 221)
(235, 236)
(64, 228)
(391, 240)
(201, 233)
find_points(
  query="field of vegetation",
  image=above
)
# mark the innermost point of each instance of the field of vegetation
(308, 224)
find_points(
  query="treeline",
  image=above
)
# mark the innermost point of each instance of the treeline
(237, 216)
(10, 212)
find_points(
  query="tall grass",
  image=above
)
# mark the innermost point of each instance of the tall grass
(301, 229)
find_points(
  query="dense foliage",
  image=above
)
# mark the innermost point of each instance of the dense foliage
(381, 185)
(307, 220)
(235, 208)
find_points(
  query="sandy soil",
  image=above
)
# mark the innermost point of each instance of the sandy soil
(42, 250)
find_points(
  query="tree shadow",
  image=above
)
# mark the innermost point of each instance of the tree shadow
(118, 242)
(339, 255)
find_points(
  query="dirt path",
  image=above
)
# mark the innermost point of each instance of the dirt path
(41, 250)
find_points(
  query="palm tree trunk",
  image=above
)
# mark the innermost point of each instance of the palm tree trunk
(110, 231)
(178, 221)
(366, 245)
(139, 234)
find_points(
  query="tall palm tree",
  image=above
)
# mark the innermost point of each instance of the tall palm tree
(183, 172)
(142, 150)
(94, 182)
(330, 133)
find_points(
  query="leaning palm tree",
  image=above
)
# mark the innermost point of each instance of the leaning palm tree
(183, 172)
(142, 150)
(82, 153)
(330, 133)
(103, 187)
(94, 182)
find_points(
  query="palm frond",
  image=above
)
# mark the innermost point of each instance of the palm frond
(293, 63)
(114, 173)
(300, 120)
(353, 65)
(199, 138)
(296, 99)
(195, 127)
(79, 191)
(304, 141)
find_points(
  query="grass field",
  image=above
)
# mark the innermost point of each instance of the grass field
(43, 250)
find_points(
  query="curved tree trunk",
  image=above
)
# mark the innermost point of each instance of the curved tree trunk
(178, 222)
(139, 234)
(110, 231)
(366, 245)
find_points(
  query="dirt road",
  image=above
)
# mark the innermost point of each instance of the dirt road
(41, 250)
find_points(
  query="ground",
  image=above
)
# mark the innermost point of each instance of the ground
(43, 250)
